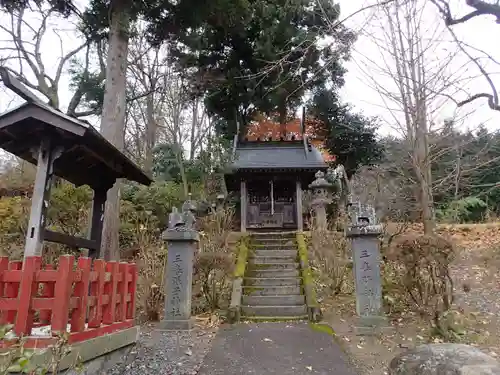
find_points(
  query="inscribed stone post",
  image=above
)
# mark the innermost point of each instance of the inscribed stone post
(181, 239)
(364, 232)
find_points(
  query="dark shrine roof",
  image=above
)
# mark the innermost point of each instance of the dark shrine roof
(276, 155)
(87, 157)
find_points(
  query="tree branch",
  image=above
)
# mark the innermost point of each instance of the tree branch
(481, 7)
(491, 100)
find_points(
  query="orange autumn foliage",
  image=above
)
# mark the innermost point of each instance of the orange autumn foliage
(263, 128)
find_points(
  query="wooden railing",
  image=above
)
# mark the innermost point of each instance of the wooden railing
(87, 299)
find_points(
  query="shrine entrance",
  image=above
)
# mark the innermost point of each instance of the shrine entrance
(271, 204)
(268, 177)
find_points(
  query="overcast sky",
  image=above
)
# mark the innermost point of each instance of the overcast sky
(478, 32)
(357, 91)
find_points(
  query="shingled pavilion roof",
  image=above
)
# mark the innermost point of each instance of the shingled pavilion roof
(277, 155)
(87, 157)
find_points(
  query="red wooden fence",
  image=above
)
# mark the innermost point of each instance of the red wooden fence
(93, 298)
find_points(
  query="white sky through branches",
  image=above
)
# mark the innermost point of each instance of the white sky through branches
(479, 33)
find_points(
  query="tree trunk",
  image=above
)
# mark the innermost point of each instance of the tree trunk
(113, 118)
(427, 206)
(282, 121)
(423, 171)
(194, 124)
(180, 162)
(151, 130)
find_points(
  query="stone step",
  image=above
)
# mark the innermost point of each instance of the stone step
(268, 281)
(273, 273)
(272, 259)
(273, 240)
(274, 246)
(274, 319)
(273, 310)
(263, 266)
(273, 253)
(259, 235)
(276, 241)
(278, 300)
(271, 290)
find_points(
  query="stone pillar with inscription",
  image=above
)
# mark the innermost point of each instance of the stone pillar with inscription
(364, 232)
(320, 189)
(181, 239)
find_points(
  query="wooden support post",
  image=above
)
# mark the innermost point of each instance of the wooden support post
(298, 205)
(45, 155)
(97, 221)
(243, 205)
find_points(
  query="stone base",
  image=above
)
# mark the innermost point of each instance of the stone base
(176, 325)
(96, 355)
(371, 325)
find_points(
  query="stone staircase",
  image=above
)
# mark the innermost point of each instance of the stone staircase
(272, 286)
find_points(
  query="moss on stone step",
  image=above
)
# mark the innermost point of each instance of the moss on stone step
(325, 328)
(271, 319)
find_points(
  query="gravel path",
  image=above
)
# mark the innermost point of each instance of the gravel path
(166, 353)
(482, 292)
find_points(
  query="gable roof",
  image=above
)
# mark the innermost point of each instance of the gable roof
(276, 155)
(87, 158)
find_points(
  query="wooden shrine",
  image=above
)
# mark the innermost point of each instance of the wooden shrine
(270, 176)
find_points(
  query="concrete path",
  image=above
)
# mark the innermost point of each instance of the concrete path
(274, 348)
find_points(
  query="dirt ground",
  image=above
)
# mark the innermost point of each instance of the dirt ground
(475, 272)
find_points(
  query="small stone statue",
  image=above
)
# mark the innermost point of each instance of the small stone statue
(188, 211)
(185, 220)
(175, 219)
(362, 215)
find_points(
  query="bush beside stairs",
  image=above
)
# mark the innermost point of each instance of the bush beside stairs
(271, 287)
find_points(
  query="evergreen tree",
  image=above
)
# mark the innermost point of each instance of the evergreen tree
(253, 56)
(348, 135)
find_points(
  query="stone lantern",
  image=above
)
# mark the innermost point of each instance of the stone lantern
(320, 189)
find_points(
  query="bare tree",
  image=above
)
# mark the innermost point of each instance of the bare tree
(163, 110)
(147, 73)
(26, 53)
(184, 123)
(414, 83)
(477, 8)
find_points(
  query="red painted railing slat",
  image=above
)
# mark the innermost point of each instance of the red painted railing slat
(100, 293)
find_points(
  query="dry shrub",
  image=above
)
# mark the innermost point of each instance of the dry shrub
(418, 268)
(216, 226)
(213, 263)
(151, 262)
(330, 258)
(212, 281)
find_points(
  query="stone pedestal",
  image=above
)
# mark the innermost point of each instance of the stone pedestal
(181, 239)
(364, 233)
(179, 278)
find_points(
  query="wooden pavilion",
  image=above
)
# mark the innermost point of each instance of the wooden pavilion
(270, 176)
(66, 147)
